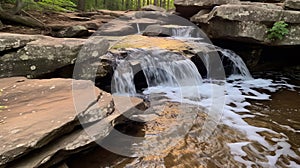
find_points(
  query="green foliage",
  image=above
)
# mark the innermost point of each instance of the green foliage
(57, 5)
(126, 4)
(71, 5)
(278, 31)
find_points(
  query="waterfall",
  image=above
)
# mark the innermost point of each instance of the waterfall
(138, 28)
(207, 54)
(160, 67)
(123, 79)
(181, 31)
(238, 64)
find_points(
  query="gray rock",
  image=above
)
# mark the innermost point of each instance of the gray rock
(131, 23)
(116, 28)
(188, 8)
(14, 41)
(168, 31)
(249, 23)
(1, 24)
(157, 30)
(38, 55)
(203, 3)
(153, 8)
(292, 4)
(74, 31)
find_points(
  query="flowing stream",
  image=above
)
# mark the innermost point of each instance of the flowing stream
(240, 121)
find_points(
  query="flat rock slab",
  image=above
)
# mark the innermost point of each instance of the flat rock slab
(42, 110)
(34, 56)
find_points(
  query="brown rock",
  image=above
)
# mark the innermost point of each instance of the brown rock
(40, 111)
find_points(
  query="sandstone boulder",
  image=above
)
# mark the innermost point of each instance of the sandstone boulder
(39, 111)
(39, 127)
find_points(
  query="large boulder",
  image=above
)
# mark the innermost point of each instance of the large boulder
(153, 8)
(39, 111)
(74, 31)
(292, 4)
(133, 23)
(169, 30)
(33, 56)
(249, 23)
(39, 127)
(188, 8)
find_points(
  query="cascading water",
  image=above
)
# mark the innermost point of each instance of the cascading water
(163, 68)
(138, 28)
(239, 65)
(178, 79)
(182, 31)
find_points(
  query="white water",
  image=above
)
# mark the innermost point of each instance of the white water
(138, 28)
(160, 67)
(183, 31)
(178, 79)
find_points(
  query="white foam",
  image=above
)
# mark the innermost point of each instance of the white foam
(237, 92)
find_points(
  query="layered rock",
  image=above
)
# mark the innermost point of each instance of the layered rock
(39, 111)
(39, 125)
(131, 23)
(249, 23)
(153, 8)
(188, 8)
(33, 56)
(292, 4)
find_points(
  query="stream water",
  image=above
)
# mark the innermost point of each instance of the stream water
(242, 121)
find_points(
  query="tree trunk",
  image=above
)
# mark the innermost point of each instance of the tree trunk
(18, 6)
(138, 4)
(26, 21)
(155, 2)
(81, 5)
(96, 4)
